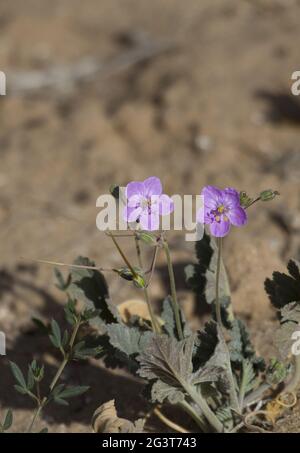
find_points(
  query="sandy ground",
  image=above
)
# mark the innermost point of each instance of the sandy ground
(212, 105)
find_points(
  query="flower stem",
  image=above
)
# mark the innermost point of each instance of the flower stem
(154, 324)
(229, 309)
(217, 302)
(233, 394)
(173, 290)
(252, 202)
(122, 254)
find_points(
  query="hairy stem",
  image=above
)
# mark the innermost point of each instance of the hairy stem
(217, 302)
(232, 393)
(229, 308)
(173, 290)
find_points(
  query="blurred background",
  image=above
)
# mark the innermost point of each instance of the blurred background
(107, 91)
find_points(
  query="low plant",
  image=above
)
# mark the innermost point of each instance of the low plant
(72, 345)
(213, 375)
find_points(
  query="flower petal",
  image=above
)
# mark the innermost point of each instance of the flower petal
(204, 216)
(152, 186)
(166, 205)
(232, 191)
(237, 216)
(134, 188)
(131, 214)
(220, 229)
(149, 222)
(212, 197)
(231, 198)
(134, 200)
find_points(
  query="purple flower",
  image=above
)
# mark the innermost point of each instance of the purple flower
(222, 209)
(145, 203)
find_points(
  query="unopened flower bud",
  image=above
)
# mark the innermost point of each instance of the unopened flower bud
(147, 238)
(245, 200)
(115, 191)
(268, 195)
(136, 277)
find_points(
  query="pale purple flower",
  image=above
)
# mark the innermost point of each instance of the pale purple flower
(145, 203)
(222, 209)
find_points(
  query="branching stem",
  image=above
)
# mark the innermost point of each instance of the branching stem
(68, 357)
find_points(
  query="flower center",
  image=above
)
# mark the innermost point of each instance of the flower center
(146, 204)
(219, 214)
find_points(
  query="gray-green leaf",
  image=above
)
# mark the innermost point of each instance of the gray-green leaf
(90, 287)
(72, 391)
(129, 340)
(8, 420)
(56, 334)
(170, 362)
(18, 374)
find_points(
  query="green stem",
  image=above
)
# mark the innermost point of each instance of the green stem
(252, 203)
(152, 267)
(122, 255)
(74, 334)
(233, 395)
(207, 412)
(229, 308)
(138, 251)
(67, 357)
(184, 405)
(218, 303)
(242, 385)
(173, 290)
(45, 400)
(35, 416)
(154, 324)
(59, 373)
